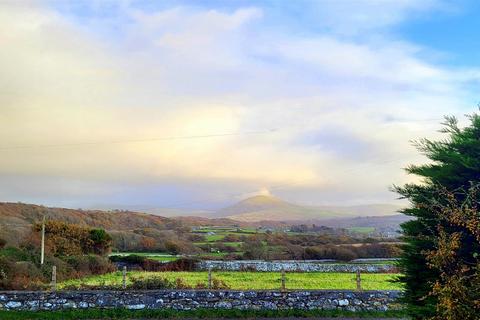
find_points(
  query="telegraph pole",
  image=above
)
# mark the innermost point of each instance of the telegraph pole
(42, 253)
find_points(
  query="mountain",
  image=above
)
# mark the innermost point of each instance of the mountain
(269, 208)
(263, 207)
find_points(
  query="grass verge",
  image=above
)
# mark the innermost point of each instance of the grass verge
(198, 314)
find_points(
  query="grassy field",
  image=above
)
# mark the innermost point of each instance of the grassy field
(364, 230)
(252, 280)
(158, 256)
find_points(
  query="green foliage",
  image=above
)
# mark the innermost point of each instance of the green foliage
(100, 241)
(455, 165)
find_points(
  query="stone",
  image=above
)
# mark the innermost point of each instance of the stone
(69, 305)
(190, 299)
(13, 304)
(343, 302)
(223, 305)
(302, 266)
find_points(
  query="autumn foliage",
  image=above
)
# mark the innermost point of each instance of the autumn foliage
(456, 256)
(63, 239)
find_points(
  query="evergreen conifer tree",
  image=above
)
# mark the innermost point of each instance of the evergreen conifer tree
(454, 165)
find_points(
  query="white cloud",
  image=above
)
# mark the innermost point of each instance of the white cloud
(185, 71)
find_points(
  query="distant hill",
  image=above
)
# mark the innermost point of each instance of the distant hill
(16, 219)
(269, 208)
(159, 211)
(376, 222)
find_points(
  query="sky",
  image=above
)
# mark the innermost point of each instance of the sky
(199, 104)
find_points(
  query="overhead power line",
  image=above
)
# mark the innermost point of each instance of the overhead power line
(94, 143)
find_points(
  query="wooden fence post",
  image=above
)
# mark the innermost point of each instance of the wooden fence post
(359, 281)
(54, 278)
(124, 278)
(210, 278)
(283, 288)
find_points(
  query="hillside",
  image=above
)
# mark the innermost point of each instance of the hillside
(16, 219)
(269, 208)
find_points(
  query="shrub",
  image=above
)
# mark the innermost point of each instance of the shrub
(131, 259)
(6, 267)
(15, 253)
(151, 283)
(100, 242)
(218, 284)
(99, 265)
(3, 242)
(183, 264)
(21, 276)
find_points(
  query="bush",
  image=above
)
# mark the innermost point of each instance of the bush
(6, 267)
(19, 275)
(16, 253)
(218, 284)
(331, 252)
(183, 264)
(151, 283)
(99, 265)
(3, 242)
(100, 241)
(130, 259)
(90, 264)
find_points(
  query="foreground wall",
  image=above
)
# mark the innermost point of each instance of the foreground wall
(298, 266)
(193, 299)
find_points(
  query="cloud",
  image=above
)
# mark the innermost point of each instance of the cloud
(185, 71)
(357, 17)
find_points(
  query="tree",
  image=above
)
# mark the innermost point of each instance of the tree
(100, 242)
(147, 243)
(253, 248)
(455, 164)
(458, 287)
(65, 239)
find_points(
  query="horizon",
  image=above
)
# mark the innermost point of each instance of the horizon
(196, 105)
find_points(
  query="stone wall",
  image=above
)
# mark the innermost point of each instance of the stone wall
(193, 299)
(302, 266)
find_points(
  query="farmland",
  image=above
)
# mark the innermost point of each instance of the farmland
(160, 256)
(248, 280)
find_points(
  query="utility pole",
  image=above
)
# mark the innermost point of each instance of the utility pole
(42, 253)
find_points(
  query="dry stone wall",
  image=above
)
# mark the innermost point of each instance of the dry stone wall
(194, 299)
(299, 266)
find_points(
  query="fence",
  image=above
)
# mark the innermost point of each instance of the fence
(211, 279)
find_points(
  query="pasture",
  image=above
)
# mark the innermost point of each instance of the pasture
(249, 280)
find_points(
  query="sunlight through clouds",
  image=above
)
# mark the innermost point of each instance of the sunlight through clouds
(324, 99)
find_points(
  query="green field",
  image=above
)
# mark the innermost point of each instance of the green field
(252, 280)
(157, 256)
(364, 230)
